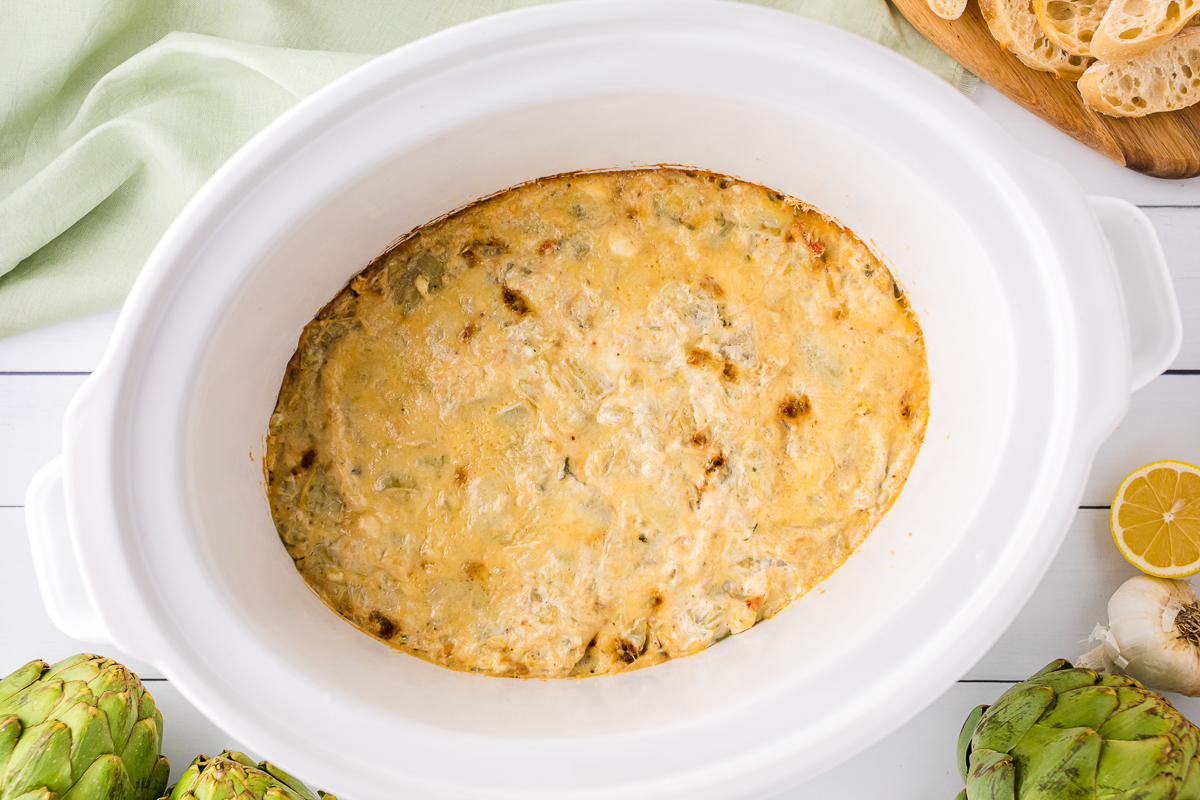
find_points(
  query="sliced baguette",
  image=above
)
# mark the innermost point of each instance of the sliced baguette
(1166, 80)
(1071, 24)
(1132, 28)
(948, 9)
(1014, 25)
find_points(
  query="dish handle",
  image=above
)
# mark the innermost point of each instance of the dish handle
(1151, 310)
(55, 562)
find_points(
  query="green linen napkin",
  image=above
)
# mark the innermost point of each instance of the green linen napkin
(114, 112)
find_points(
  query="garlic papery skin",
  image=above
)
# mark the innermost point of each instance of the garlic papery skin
(1153, 635)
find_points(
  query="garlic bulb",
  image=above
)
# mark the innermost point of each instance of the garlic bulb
(1153, 635)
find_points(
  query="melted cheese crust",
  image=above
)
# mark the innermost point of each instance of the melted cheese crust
(595, 422)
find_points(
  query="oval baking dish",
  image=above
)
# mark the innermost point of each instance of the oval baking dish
(1021, 300)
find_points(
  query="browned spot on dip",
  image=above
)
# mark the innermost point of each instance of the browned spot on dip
(478, 249)
(711, 285)
(515, 301)
(794, 407)
(698, 357)
(384, 627)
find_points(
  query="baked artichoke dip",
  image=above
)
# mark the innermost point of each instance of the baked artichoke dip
(595, 422)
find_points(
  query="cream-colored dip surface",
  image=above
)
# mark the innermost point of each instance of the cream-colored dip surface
(595, 422)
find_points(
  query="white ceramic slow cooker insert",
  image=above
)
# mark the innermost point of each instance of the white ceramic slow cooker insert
(167, 548)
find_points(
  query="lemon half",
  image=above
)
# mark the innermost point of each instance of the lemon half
(1155, 519)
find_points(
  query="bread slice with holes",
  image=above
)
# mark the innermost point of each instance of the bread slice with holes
(948, 9)
(1167, 79)
(1014, 25)
(1133, 28)
(1071, 24)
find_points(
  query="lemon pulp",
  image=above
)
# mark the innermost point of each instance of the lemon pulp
(1155, 518)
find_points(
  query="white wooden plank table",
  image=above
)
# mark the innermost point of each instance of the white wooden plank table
(39, 371)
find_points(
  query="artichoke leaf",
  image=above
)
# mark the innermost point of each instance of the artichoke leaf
(90, 737)
(10, 732)
(1057, 763)
(1088, 707)
(237, 784)
(1164, 787)
(288, 780)
(80, 667)
(1131, 697)
(42, 757)
(73, 692)
(208, 785)
(1117, 681)
(1189, 744)
(38, 794)
(961, 795)
(1065, 680)
(146, 709)
(1125, 765)
(122, 713)
(105, 779)
(964, 739)
(238, 756)
(141, 753)
(1010, 717)
(156, 783)
(1054, 666)
(110, 677)
(992, 776)
(22, 679)
(1151, 716)
(259, 783)
(1189, 786)
(33, 705)
(187, 780)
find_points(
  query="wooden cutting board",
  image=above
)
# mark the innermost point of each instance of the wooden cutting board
(1163, 145)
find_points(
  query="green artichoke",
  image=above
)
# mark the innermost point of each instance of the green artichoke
(1073, 734)
(83, 729)
(231, 775)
